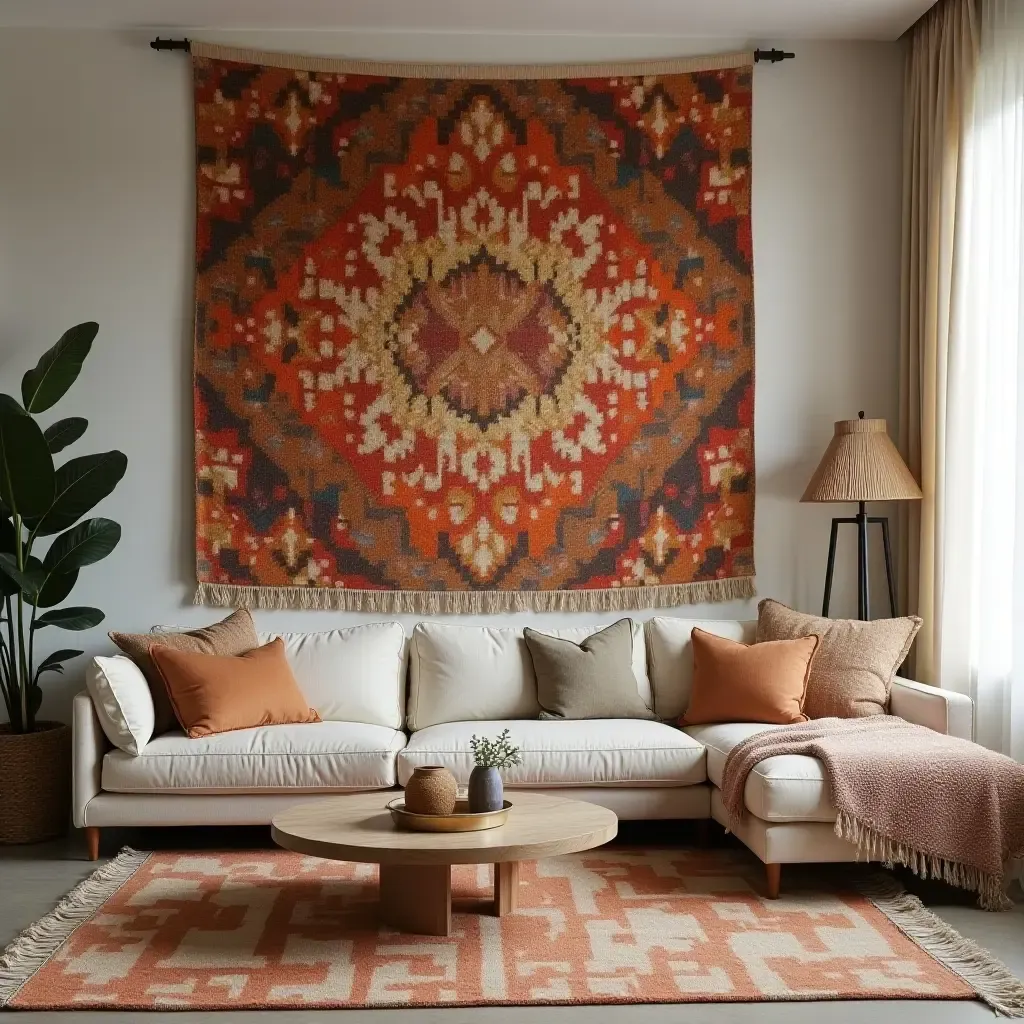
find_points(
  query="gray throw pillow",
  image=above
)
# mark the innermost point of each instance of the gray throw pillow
(593, 679)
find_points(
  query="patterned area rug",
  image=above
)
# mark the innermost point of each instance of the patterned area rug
(472, 339)
(274, 929)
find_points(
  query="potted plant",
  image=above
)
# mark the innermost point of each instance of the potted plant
(43, 504)
(486, 790)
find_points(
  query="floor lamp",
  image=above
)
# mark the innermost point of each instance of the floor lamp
(861, 464)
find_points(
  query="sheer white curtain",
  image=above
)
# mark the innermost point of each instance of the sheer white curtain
(980, 606)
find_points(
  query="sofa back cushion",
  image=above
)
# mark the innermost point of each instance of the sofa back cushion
(355, 674)
(671, 657)
(485, 673)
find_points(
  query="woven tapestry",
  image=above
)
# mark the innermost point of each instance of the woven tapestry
(473, 338)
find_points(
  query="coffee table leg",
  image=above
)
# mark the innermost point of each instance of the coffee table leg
(417, 898)
(506, 887)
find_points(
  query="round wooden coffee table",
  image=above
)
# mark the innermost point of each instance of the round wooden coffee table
(416, 867)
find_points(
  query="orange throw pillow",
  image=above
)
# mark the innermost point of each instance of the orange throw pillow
(214, 693)
(734, 682)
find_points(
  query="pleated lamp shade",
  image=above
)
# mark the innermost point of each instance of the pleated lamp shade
(861, 464)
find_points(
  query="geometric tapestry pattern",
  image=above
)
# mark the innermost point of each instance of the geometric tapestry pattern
(278, 930)
(471, 344)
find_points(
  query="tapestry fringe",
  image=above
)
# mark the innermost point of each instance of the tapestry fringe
(398, 69)
(36, 944)
(989, 977)
(473, 602)
(877, 847)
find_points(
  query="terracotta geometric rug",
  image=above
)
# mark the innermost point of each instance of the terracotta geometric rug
(267, 929)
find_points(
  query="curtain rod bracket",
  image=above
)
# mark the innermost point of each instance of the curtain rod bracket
(773, 56)
(171, 44)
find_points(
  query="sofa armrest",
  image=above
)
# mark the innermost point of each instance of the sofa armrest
(942, 710)
(89, 745)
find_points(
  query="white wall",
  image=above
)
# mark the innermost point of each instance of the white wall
(96, 222)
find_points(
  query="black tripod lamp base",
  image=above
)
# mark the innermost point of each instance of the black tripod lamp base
(861, 521)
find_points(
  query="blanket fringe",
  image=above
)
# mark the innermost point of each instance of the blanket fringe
(36, 944)
(987, 975)
(872, 845)
(474, 602)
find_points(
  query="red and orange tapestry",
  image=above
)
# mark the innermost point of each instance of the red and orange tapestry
(473, 339)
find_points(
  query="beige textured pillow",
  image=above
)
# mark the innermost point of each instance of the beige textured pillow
(232, 636)
(855, 662)
(591, 679)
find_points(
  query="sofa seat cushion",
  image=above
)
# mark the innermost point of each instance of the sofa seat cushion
(325, 756)
(791, 787)
(594, 752)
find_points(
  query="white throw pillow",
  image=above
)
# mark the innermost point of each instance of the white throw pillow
(350, 675)
(671, 657)
(485, 673)
(123, 702)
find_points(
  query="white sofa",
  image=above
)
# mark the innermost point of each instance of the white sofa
(390, 703)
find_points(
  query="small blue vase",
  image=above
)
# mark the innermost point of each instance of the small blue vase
(486, 792)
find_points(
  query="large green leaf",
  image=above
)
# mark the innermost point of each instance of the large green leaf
(55, 589)
(26, 466)
(79, 485)
(64, 432)
(58, 368)
(51, 663)
(28, 580)
(8, 539)
(70, 618)
(82, 545)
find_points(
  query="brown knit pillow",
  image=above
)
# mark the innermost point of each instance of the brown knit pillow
(855, 663)
(212, 693)
(231, 636)
(734, 682)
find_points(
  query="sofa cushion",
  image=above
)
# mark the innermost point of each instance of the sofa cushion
(326, 756)
(671, 657)
(351, 675)
(591, 679)
(791, 787)
(213, 694)
(594, 752)
(484, 673)
(123, 701)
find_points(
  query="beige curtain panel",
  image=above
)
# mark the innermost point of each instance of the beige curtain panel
(941, 59)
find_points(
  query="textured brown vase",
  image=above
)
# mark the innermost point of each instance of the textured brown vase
(35, 783)
(431, 790)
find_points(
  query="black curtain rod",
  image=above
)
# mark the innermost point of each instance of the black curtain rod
(772, 56)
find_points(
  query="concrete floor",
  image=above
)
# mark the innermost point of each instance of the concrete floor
(32, 879)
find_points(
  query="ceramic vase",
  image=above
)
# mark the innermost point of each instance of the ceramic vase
(486, 792)
(431, 790)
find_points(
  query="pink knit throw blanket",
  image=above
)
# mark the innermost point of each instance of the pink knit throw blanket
(944, 807)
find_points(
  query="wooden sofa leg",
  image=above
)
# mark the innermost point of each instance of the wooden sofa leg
(773, 880)
(92, 842)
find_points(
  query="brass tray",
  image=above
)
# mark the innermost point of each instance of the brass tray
(459, 821)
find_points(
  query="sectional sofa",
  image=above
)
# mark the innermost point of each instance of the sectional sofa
(391, 702)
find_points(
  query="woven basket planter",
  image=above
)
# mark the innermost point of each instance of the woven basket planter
(35, 783)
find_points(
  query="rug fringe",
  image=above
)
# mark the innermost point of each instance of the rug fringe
(37, 943)
(401, 69)
(987, 975)
(874, 846)
(474, 602)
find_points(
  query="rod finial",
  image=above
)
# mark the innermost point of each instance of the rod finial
(772, 56)
(171, 44)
